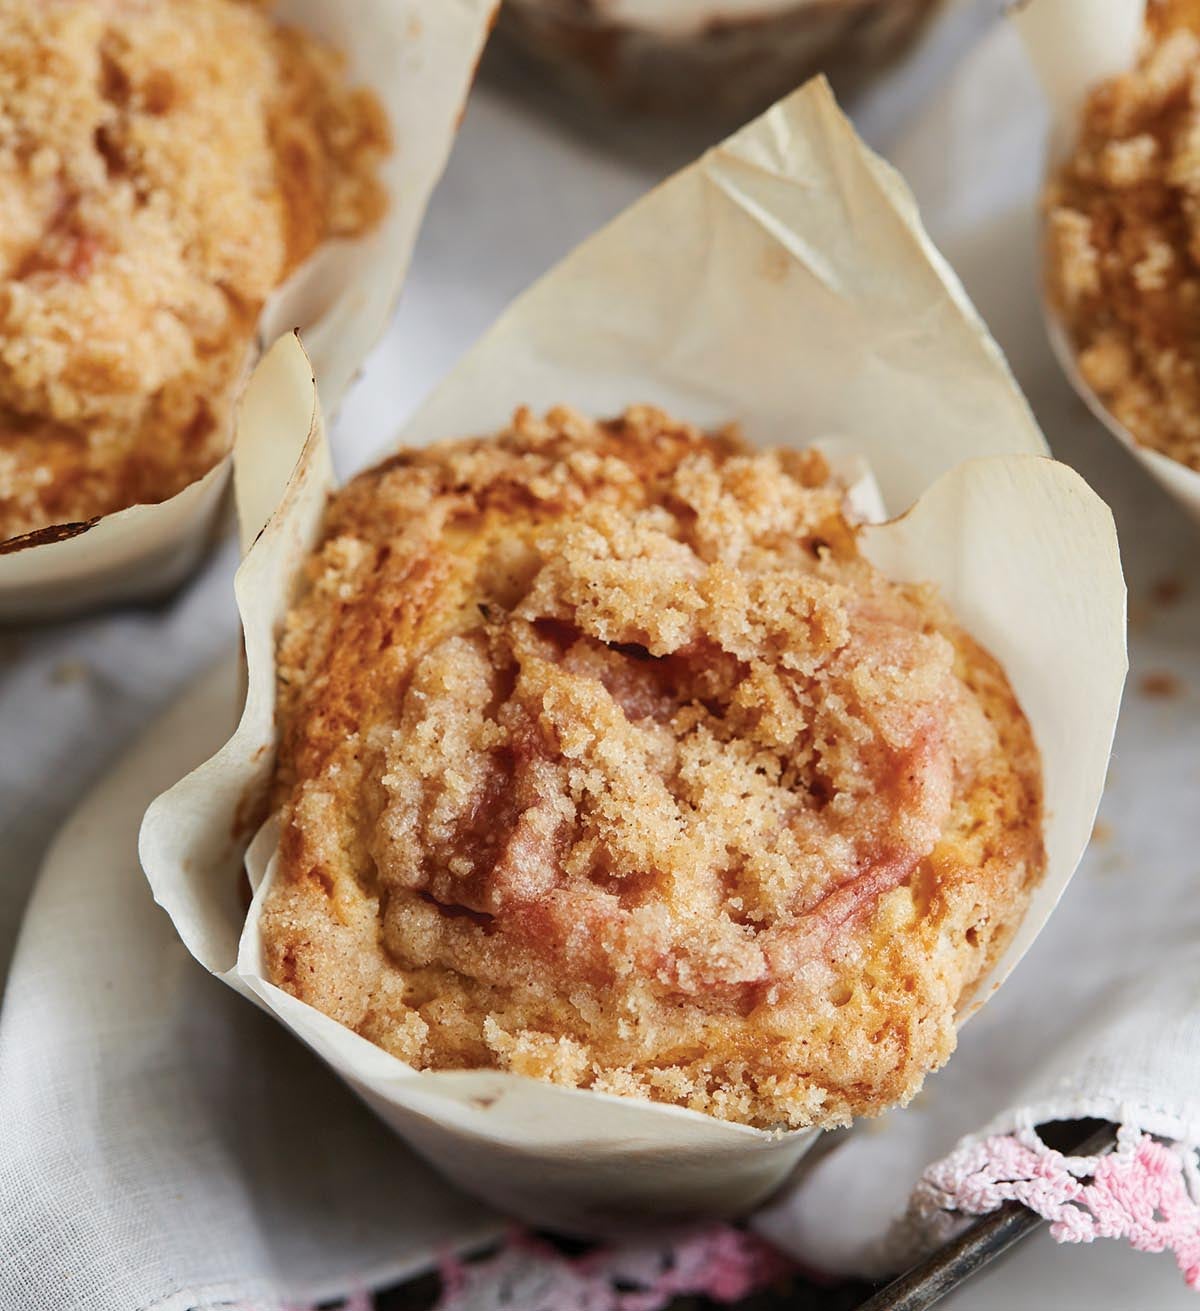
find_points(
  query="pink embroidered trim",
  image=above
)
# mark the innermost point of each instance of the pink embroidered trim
(1139, 1192)
(718, 1262)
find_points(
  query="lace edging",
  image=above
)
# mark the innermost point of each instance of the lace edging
(719, 1262)
(1146, 1192)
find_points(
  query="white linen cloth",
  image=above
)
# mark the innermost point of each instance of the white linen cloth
(136, 1174)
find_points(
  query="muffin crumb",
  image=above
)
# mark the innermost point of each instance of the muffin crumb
(1168, 591)
(1161, 685)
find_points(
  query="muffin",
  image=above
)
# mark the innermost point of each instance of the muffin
(689, 56)
(607, 758)
(1123, 238)
(164, 167)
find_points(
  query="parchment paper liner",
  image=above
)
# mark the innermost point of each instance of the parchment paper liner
(1074, 45)
(782, 279)
(418, 56)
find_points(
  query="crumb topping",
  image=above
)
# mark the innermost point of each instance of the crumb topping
(607, 758)
(1123, 238)
(164, 164)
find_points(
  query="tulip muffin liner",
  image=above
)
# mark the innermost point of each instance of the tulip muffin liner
(784, 281)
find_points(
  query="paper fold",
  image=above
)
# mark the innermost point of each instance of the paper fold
(783, 281)
(418, 56)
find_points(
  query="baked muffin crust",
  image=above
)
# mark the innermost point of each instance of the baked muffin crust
(164, 164)
(606, 758)
(1123, 238)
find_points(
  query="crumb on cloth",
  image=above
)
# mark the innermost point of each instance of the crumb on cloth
(1161, 685)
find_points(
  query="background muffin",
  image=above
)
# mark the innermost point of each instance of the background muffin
(163, 168)
(1123, 238)
(696, 56)
(606, 758)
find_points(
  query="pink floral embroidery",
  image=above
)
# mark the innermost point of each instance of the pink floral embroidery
(718, 1262)
(1140, 1192)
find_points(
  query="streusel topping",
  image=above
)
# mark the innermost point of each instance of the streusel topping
(164, 164)
(607, 758)
(1123, 241)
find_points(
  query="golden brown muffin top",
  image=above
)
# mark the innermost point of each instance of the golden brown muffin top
(164, 164)
(607, 758)
(1123, 238)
